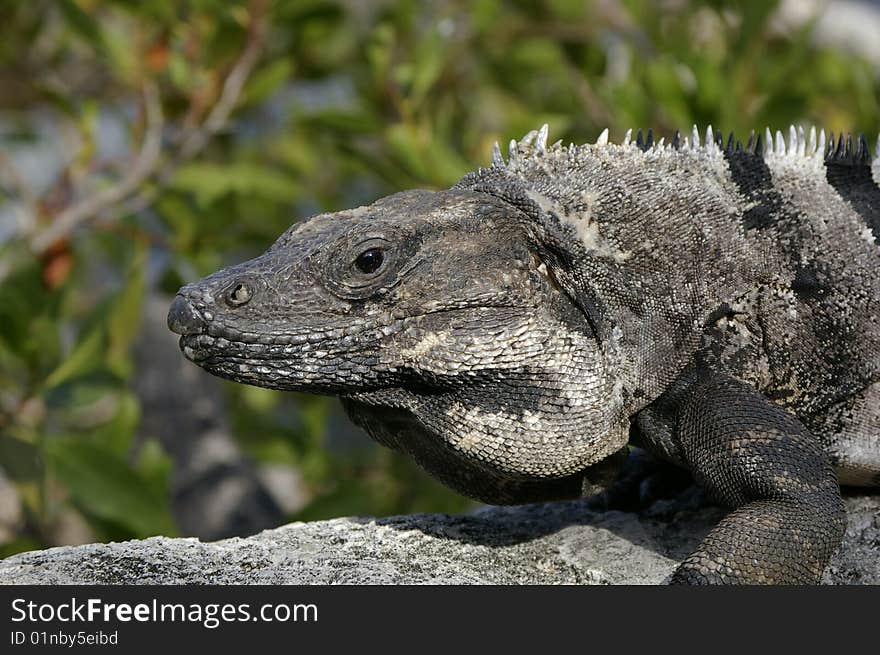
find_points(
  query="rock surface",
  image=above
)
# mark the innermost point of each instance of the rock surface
(557, 543)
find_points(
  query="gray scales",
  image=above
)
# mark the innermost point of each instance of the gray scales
(715, 304)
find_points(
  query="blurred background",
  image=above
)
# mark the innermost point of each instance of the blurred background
(146, 144)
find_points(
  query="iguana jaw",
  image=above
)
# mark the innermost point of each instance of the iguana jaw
(356, 360)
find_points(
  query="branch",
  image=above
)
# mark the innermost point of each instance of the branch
(218, 117)
(12, 182)
(232, 86)
(144, 166)
(129, 194)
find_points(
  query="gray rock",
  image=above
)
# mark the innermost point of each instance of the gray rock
(558, 543)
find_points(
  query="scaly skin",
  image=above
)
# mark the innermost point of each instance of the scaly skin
(716, 305)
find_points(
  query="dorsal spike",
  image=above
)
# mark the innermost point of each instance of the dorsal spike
(792, 140)
(875, 163)
(811, 146)
(710, 137)
(661, 143)
(768, 141)
(840, 151)
(627, 137)
(695, 137)
(849, 152)
(541, 139)
(820, 146)
(759, 146)
(528, 140)
(676, 140)
(512, 151)
(750, 144)
(739, 146)
(863, 154)
(497, 157)
(829, 146)
(719, 139)
(649, 141)
(640, 141)
(731, 141)
(780, 143)
(603, 138)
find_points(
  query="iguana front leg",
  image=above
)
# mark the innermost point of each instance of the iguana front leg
(788, 516)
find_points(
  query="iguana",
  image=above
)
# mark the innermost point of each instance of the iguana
(716, 304)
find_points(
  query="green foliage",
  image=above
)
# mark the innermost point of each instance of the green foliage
(344, 103)
(104, 485)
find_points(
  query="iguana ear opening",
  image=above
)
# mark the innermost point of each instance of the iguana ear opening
(552, 243)
(582, 300)
(537, 264)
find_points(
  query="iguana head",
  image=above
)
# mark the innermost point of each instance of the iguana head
(436, 304)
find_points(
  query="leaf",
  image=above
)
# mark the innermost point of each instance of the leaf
(428, 65)
(82, 390)
(125, 314)
(404, 143)
(86, 356)
(116, 434)
(180, 71)
(267, 80)
(104, 484)
(21, 460)
(181, 218)
(22, 300)
(82, 22)
(210, 182)
(258, 399)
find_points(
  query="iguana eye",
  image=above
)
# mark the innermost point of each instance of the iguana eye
(370, 260)
(364, 263)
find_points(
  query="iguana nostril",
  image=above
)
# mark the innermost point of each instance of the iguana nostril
(183, 318)
(237, 295)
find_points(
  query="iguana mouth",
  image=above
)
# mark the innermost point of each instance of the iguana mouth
(222, 338)
(265, 365)
(196, 347)
(201, 347)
